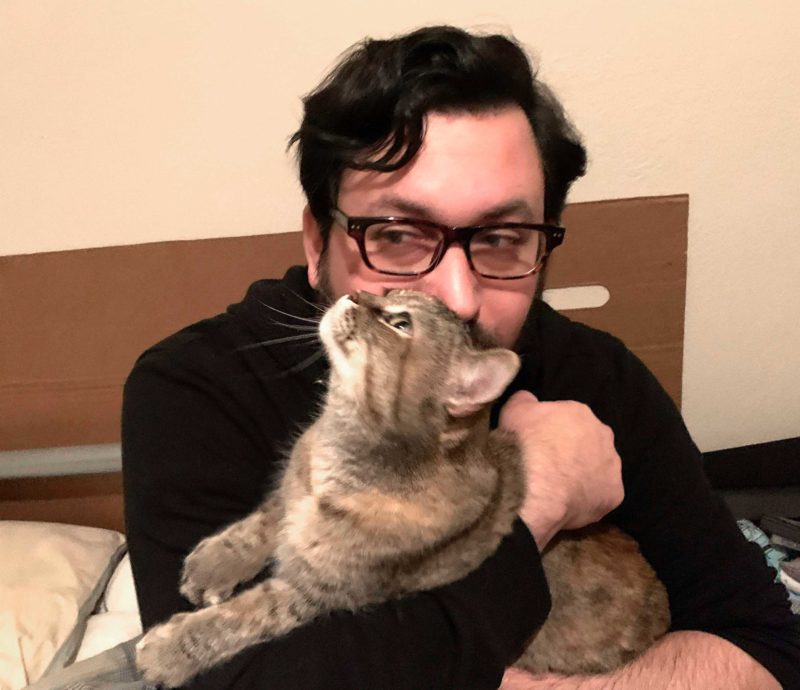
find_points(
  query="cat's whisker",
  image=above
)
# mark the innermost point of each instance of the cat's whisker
(307, 362)
(318, 307)
(296, 327)
(291, 316)
(305, 338)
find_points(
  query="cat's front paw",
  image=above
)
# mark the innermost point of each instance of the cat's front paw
(162, 658)
(205, 580)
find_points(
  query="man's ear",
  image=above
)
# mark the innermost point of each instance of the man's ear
(479, 378)
(312, 245)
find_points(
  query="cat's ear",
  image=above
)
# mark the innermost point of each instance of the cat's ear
(479, 378)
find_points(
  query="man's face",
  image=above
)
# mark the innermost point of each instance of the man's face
(471, 169)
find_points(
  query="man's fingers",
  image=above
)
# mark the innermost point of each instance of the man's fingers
(516, 412)
(521, 397)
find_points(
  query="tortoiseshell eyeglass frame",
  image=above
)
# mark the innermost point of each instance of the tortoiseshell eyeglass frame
(356, 227)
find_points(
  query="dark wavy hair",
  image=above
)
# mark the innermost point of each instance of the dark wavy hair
(369, 112)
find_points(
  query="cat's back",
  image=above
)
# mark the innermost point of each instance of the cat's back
(607, 603)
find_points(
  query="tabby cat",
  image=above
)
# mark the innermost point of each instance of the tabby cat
(400, 486)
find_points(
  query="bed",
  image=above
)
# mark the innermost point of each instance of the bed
(74, 322)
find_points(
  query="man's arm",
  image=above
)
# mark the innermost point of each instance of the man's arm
(683, 660)
(718, 584)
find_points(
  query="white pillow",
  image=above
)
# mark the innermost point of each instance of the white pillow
(107, 630)
(120, 594)
(118, 616)
(51, 578)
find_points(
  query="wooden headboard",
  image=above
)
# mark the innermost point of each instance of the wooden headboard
(74, 322)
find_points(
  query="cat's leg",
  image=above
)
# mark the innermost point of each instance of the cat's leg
(190, 643)
(235, 555)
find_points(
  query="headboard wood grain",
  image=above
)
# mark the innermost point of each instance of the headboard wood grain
(74, 322)
(81, 499)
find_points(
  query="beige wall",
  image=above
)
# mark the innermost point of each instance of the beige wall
(127, 122)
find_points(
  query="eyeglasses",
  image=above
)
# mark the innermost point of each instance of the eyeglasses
(409, 247)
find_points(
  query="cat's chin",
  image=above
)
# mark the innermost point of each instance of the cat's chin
(336, 336)
(330, 324)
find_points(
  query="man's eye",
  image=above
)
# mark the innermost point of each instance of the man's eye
(400, 322)
(391, 235)
(498, 240)
(397, 234)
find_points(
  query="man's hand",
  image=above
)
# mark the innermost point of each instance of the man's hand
(574, 474)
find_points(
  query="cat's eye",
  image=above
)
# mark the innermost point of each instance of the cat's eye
(400, 321)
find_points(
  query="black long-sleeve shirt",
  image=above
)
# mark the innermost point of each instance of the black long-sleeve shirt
(209, 415)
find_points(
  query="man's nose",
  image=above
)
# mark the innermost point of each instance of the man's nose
(455, 284)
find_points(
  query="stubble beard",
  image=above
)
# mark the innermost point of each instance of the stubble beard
(325, 296)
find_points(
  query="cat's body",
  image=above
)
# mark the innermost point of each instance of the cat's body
(399, 486)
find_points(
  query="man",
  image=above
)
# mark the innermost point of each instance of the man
(445, 130)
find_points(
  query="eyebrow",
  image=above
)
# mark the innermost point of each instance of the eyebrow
(413, 209)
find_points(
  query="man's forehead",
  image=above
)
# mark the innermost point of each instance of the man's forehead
(471, 167)
(391, 203)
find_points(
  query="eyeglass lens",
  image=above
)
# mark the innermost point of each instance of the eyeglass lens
(501, 252)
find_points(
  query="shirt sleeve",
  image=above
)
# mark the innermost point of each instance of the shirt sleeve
(717, 581)
(191, 466)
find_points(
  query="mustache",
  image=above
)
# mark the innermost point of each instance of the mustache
(479, 337)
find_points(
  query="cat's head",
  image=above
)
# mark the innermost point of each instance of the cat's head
(404, 359)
